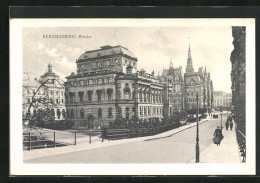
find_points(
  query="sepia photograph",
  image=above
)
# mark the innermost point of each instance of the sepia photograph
(155, 96)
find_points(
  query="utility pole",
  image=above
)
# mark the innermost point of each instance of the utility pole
(197, 136)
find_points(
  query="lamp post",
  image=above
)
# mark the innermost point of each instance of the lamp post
(197, 136)
(221, 119)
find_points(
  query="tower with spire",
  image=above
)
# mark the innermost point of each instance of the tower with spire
(189, 67)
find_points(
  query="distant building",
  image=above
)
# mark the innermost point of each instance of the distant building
(197, 82)
(53, 91)
(175, 78)
(238, 76)
(222, 100)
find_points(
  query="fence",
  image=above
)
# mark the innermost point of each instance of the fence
(45, 139)
(241, 139)
(113, 134)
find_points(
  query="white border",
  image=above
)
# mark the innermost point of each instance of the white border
(17, 167)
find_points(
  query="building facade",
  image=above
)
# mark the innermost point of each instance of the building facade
(47, 91)
(238, 76)
(222, 100)
(197, 83)
(107, 86)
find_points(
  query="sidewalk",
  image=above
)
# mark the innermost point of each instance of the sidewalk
(99, 144)
(227, 152)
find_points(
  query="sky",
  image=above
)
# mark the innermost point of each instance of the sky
(154, 47)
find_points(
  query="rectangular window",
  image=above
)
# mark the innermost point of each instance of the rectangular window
(100, 113)
(62, 101)
(57, 93)
(94, 81)
(110, 80)
(99, 81)
(81, 94)
(99, 94)
(81, 83)
(57, 101)
(86, 82)
(105, 80)
(90, 81)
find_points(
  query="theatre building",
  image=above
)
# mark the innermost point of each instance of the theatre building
(107, 86)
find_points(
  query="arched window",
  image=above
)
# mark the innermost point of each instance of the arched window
(52, 112)
(63, 113)
(100, 113)
(110, 112)
(81, 113)
(58, 113)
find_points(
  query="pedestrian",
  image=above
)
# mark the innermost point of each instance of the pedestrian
(227, 125)
(217, 136)
(231, 125)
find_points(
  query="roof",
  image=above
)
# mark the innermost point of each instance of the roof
(106, 51)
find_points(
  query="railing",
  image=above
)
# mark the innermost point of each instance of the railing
(113, 134)
(241, 140)
(46, 139)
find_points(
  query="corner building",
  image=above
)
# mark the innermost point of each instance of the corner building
(107, 86)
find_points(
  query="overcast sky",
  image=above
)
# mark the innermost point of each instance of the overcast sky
(154, 47)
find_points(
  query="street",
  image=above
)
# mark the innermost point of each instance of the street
(178, 148)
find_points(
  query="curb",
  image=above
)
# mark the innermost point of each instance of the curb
(175, 132)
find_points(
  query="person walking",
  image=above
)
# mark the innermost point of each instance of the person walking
(227, 125)
(217, 136)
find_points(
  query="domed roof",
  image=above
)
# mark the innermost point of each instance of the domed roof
(107, 51)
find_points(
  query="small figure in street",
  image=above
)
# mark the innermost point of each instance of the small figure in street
(231, 125)
(218, 136)
(227, 125)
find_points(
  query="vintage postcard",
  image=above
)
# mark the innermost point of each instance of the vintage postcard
(132, 96)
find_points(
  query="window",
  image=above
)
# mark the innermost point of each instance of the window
(110, 80)
(127, 112)
(105, 80)
(90, 81)
(81, 94)
(52, 112)
(81, 114)
(72, 113)
(140, 96)
(140, 110)
(100, 113)
(81, 83)
(94, 81)
(28, 91)
(86, 82)
(99, 81)
(63, 113)
(57, 93)
(62, 101)
(58, 113)
(109, 94)
(68, 113)
(119, 111)
(109, 112)
(90, 92)
(99, 94)
(72, 97)
(51, 92)
(57, 101)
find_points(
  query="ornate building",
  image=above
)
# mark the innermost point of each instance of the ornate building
(53, 92)
(108, 86)
(197, 82)
(175, 78)
(238, 75)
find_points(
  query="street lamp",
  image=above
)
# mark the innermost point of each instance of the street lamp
(197, 136)
(221, 119)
